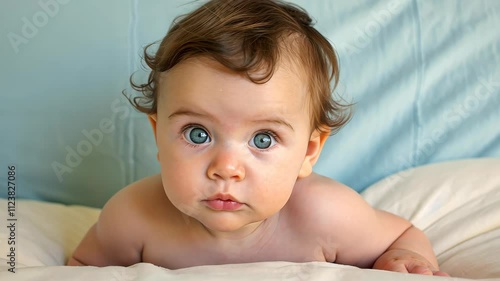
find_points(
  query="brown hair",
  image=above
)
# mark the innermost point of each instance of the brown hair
(247, 37)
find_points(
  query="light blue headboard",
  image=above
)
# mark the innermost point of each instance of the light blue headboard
(424, 75)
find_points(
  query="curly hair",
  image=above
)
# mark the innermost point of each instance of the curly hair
(246, 37)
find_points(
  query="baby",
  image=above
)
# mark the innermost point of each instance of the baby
(240, 101)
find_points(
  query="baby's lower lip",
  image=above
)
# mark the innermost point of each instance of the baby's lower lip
(223, 205)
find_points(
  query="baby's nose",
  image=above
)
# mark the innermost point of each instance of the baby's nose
(226, 165)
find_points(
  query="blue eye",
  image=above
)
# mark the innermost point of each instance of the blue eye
(262, 140)
(196, 135)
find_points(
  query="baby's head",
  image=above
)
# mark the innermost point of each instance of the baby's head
(239, 98)
(252, 38)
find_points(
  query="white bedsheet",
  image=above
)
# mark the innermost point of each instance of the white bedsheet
(457, 204)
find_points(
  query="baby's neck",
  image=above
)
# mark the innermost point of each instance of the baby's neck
(256, 234)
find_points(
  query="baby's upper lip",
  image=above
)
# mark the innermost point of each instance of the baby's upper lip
(224, 197)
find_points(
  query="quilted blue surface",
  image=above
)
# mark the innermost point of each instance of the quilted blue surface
(424, 76)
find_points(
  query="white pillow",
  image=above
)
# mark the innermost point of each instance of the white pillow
(46, 233)
(457, 204)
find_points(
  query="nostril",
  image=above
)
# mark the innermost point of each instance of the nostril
(216, 176)
(226, 172)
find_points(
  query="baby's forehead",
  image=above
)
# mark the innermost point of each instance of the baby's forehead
(286, 69)
(199, 74)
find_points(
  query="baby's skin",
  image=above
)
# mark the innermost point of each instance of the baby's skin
(237, 186)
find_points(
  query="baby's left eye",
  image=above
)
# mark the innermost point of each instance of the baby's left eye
(263, 141)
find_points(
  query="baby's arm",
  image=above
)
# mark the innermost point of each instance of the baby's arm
(114, 239)
(410, 253)
(367, 237)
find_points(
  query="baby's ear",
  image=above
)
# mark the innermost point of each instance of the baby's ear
(152, 119)
(314, 147)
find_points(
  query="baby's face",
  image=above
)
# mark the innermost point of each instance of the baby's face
(230, 150)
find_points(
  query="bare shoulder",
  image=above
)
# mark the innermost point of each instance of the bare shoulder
(119, 235)
(139, 197)
(328, 203)
(348, 229)
(316, 194)
(137, 206)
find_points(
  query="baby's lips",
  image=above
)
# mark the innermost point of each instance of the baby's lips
(223, 197)
(223, 205)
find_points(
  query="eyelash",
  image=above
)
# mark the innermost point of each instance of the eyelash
(190, 126)
(271, 133)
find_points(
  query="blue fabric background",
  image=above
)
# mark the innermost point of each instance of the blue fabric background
(424, 76)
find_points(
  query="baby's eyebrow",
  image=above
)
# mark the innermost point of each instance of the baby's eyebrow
(275, 120)
(272, 120)
(188, 113)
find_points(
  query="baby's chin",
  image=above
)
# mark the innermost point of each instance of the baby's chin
(228, 225)
(220, 221)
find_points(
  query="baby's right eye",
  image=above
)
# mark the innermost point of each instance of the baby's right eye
(196, 135)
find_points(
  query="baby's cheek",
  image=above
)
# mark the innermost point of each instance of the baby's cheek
(182, 197)
(279, 184)
(177, 185)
